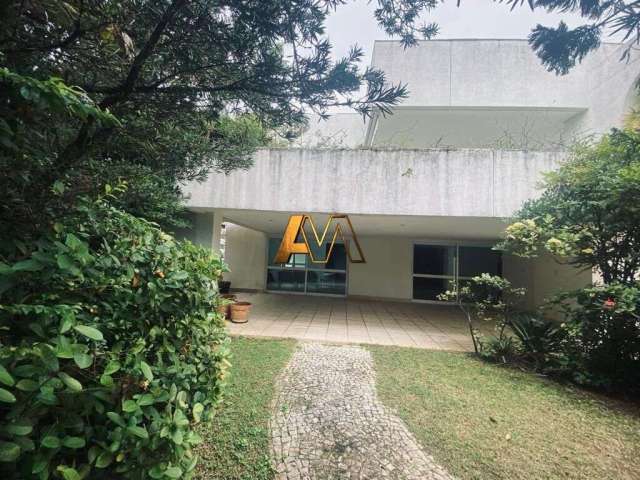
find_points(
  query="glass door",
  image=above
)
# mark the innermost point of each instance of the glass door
(437, 268)
(434, 270)
(301, 275)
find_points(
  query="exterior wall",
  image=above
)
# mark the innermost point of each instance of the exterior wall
(466, 182)
(387, 273)
(340, 130)
(550, 277)
(201, 231)
(543, 277)
(507, 73)
(494, 73)
(246, 257)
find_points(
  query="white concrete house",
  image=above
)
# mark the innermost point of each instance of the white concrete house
(428, 189)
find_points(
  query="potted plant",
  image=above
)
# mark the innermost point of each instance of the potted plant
(240, 312)
(226, 300)
(224, 286)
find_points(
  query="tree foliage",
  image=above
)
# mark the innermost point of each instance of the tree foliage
(589, 216)
(589, 211)
(560, 48)
(196, 86)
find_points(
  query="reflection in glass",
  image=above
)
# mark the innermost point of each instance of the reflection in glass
(425, 288)
(330, 283)
(477, 260)
(434, 259)
(285, 280)
(290, 277)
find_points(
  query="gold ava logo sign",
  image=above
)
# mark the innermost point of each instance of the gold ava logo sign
(296, 228)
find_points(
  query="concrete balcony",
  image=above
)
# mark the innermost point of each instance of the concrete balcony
(433, 183)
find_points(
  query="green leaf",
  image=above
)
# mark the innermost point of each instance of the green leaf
(146, 399)
(27, 385)
(63, 348)
(138, 431)
(5, 377)
(73, 442)
(92, 333)
(178, 437)
(73, 384)
(19, 428)
(9, 452)
(198, 408)
(117, 419)
(146, 370)
(104, 460)
(29, 265)
(50, 442)
(106, 380)
(6, 396)
(129, 406)
(66, 263)
(49, 357)
(112, 367)
(173, 472)
(39, 464)
(83, 360)
(70, 474)
(68, 319)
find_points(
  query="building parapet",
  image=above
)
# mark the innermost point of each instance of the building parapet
(381, 181)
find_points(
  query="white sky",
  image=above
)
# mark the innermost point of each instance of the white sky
(354, 23)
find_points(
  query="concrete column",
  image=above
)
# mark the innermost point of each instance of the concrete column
(216, 233)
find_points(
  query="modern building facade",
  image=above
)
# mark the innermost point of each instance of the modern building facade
(428, 189)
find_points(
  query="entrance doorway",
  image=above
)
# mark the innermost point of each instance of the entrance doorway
(301, 275)
(441, 267)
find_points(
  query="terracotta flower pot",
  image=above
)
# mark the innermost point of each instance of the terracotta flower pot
(223, 308)
(240, 312)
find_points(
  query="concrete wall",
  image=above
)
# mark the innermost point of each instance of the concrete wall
(543, 278)
(465, 182)
(507, 73)
(201, 231)
(387, 273)
(246, 257)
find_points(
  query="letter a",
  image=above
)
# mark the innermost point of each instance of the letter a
(288, 246)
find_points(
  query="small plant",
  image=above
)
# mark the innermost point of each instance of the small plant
(541, 339)
(501, 348)
(485, 298)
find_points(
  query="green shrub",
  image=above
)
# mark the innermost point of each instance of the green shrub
(486, 297)
(603, 346)
(110, 350)
(500, 348)
(541, 339)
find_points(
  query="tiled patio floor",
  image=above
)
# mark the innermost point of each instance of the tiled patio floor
(356, 321)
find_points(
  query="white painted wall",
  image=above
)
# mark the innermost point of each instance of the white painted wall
(387, 273)
(246, 257)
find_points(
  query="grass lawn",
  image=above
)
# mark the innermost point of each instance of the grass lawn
(236, 445)
(484, 421)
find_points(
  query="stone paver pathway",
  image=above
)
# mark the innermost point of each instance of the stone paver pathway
(329, 424)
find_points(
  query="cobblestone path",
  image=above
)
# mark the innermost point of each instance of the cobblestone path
(329, 424)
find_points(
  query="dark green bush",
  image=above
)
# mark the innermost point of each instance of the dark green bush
(541, 339)
(603, 345)
(501, 348)
(110, 350)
